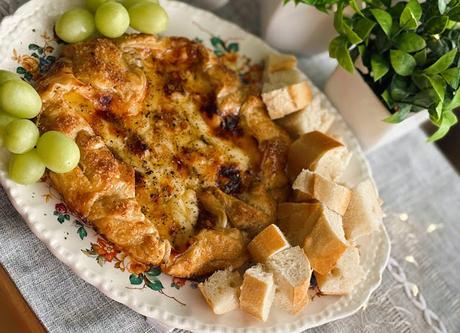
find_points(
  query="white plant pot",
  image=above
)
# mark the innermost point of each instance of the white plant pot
(364, 112)
(299, 29)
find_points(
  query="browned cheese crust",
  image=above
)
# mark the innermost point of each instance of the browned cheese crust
(161, 123)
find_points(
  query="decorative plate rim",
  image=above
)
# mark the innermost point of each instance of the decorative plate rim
(100, 282)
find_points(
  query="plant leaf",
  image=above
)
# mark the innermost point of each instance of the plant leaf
(355, 6)
(408, 20)
(436, 25)
(379, 66)
(438, 85)
(400, 115)
(363, 27)
(399, 88)
(351, 35)
(454, 14)
(420, 81)
(403, 63)
(136, 279)
(448, 120)
(451, 76)
(338, 18)
(455, 102)
(387, 99)
(442, 5)
(383, 19)
(334, 45)
(339, 48)
(442, 63)
(410, 42)
(153, 272)
(410, 15)
(415, 8)
(420, 57)
(425, 98)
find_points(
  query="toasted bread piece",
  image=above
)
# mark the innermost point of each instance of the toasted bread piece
(296, 220)
(279, 62)
(336, 197)
(364, 213)
(292, 273)
(312, 118)
(221, 291)
(267, 243)
(281, 79)
(284, 101)
(317, 152)
(326, 243)
(284, 92)
(257, 292)
(344, 276)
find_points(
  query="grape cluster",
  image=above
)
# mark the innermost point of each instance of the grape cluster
(31, 153)
(111, 18)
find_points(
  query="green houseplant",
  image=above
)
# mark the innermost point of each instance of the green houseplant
(407, 52)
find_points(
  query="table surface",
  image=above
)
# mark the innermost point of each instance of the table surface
(420, 291)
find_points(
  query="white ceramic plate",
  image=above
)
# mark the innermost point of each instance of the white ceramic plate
(28, 47)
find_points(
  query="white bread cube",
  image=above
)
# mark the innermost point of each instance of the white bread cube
(296, 220)
(268, 242)
(317, 152)
(364, 213)
(344, 276)
(285, 92)
(257, 292)
(292, 273)
(279, 62)
(312, 118)
(336, 197)
(221, 291)
(326, 243)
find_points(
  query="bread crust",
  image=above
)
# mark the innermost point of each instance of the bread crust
(279, 62)
(344, 276)
(307, 151)
(336, 197)
(256, 294)
(297, 220)
(267, 243)
(322, 245)
(283, 101)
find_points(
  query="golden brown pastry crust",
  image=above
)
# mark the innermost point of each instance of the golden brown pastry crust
(160, 124)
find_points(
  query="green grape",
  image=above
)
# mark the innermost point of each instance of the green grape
(20, 136)
(26, 168)
(5, 119)
(7, 75)
(112, 19)
(59, 152)
(129, 3)
(148, 17)
(92, 5)
(19, 99)
(75, 25)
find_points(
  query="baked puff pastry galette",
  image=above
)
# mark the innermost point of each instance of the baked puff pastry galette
(180, 163)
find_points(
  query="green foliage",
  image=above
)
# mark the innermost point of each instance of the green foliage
(410, 51)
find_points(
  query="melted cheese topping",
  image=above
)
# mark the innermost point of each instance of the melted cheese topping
(176, 140)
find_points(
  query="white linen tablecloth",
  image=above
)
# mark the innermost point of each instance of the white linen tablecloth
(420, 291)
